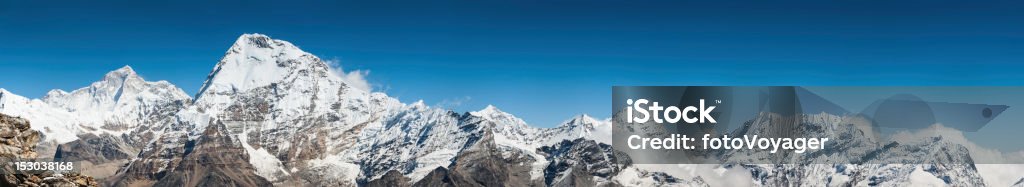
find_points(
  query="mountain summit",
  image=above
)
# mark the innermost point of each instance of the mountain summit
(256, 60)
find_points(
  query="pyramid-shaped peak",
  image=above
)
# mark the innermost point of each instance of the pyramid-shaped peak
(56, 92)
(487, 111)
(124, 70)
(582, 119)
(492, 112)
(122, 73)
(256, 60)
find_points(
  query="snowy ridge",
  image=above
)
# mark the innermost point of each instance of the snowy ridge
(56, 125)
(113, 105)
(299, 92)
(118, 102)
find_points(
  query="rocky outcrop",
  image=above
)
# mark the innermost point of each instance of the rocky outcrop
(483, 164)
(392, 179)
(214, 160)
(487, 164)
(17, 139)
(17, 143)
(580, 162)
(104, 154)
(437, 178)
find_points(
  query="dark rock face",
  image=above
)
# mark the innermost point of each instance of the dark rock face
(96, 149)
(100, 156)
(216, 159)
(392, 179)
(155, 163)
(572, 163)
(437, 178)
(17, 142)
(483, 164)
(577, 162)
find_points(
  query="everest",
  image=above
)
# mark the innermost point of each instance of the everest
(271, 114)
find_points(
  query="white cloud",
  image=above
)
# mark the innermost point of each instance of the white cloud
(354, 78)
(452, 103)
(976, 151)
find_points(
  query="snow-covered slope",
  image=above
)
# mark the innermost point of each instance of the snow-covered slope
(56, 125)
(118, 102)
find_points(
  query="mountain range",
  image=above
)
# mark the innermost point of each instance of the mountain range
(271, 114)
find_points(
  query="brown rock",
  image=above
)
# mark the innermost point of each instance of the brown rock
(18, 142)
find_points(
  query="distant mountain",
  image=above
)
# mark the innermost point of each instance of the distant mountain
(272, 114)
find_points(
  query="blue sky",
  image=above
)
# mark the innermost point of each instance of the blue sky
(544, 61)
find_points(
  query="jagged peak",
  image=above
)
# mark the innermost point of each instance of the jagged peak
(419, 104)
(113, 85)
(580, 119)
(487, 111)
(257, 60)
(259, 41)
(55, 93)
(254, 39)
(126, 70)
(252, 35)
(492, 113)
(121, 74)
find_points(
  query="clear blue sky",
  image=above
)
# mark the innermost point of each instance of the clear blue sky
(541, 60)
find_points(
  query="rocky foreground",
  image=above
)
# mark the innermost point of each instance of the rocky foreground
(17, 142)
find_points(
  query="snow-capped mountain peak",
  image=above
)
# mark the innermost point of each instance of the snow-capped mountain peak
(488, 111)
(580, 126)
(122, 73)
(115, 104)
(56, 93)
(582, 120)
(108, 94)
(492, 113)
(503, 121)
(113, 82)
(258, 61)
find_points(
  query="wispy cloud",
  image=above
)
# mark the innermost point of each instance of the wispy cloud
(354, 78)
(452, 103)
